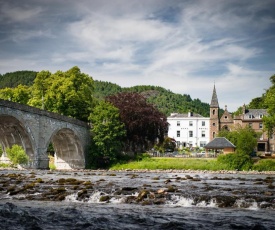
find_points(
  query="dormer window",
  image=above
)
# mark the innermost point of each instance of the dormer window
(261, 115)
(250, 116)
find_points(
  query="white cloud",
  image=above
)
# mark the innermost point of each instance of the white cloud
(180, 45)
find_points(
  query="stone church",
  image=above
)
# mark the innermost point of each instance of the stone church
(250, 117)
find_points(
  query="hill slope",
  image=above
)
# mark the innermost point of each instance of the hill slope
(165, 100)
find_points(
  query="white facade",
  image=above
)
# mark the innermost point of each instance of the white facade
(189, 130)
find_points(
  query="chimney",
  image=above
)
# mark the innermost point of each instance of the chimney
(190, 114)
(244, 109)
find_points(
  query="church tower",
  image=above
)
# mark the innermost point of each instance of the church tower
(214, 116)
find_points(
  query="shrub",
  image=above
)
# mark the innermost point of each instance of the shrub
(17, 155)
(236, 161)
(264, 165)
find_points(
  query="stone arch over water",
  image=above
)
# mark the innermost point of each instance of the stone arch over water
(69, 152)
(14, 132)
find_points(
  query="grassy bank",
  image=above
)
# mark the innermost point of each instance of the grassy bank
(171, 163)
(187, 163)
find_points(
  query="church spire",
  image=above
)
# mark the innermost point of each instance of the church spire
(214, 101)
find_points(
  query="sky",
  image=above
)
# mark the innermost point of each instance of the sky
(185, 46)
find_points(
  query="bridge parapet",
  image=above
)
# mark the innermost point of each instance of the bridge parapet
(30, 109)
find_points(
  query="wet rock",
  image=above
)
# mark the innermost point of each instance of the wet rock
(104, 198)
(159, 201)
(128, 189)
(258, 182)
(142, 195)
(155, 178)
(188, 177)
(130, 199)
(146, 202)
(171, 189)
(134, 176)
(39, 180)
(112, 174)
(267, 193)
(147, 185)
(161, 191)
(271, 186)
(225, 201)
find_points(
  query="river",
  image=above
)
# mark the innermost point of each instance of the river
(42, 199)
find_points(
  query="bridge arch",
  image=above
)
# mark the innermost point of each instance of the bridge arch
(14, 132)
(69, 152)
(34, 129)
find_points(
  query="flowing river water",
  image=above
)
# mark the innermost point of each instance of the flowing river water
(41, 199)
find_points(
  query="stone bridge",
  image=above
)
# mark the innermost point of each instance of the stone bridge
(36, 129)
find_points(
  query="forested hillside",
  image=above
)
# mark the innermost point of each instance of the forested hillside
(14, 79)
(165, 100)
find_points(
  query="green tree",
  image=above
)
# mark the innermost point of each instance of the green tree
(70, 93)
(6, 94)
(20, 94)
(40, 86)
(244, 138)
(269, 101)
(17, 155)
(107, 132)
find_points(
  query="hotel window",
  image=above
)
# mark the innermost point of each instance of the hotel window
(202, 144)
(260, 125)
(178, 123)
(202, 133)
(190, 123)
(203, 123)
(190, 133)
(178, 133)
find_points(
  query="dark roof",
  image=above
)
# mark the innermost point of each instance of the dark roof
(181, 115)
(219, 143)
(214, 101)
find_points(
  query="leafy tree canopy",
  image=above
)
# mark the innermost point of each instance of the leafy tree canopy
(245, 139)
(143, 122)
(107, 131)
(269, 101)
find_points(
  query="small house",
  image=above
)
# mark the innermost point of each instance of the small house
(220, 143)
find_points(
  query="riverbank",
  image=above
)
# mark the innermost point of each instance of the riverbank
(201, 164)
(192, 171)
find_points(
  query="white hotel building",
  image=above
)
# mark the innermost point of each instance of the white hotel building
(189, 130)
